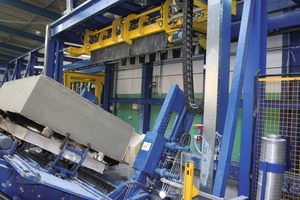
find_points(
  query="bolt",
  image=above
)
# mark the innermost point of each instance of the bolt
(21, 190)
(9, 185)
(39, 196)
(3, 184)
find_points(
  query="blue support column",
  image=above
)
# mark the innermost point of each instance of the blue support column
(146, 93)
(51, 58)
(6, 74)
(294, 52)
(108, 86)
(257, 50)
(234, 100)
(59, 59)
(30, 65)
(17, 70)
(224, 66)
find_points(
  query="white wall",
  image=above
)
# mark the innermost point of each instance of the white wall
(129, 77)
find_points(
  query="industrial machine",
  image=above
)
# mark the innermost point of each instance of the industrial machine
(40, 161)
(57, 145)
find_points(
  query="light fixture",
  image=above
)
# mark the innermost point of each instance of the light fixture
(162, 194)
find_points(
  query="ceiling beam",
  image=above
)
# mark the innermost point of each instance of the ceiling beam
(13, 47)
(31, 9)
(80, 14)
(8, 57)
(21, 33)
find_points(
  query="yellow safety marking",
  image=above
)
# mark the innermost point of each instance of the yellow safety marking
(269, 79)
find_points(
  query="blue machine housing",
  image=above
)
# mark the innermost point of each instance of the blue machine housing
(149, 154)
(25, 179)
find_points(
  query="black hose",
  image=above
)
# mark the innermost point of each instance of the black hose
(187, 65)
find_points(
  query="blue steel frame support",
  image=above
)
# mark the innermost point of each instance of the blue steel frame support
(108, 86)
(59, 59)
(224, 65)
(234, 100)
(51, 58)
(17, 70)
(6, 74)
(294, 52)
(80, 14)
(30, 65)
(146, 93)
(257, 52)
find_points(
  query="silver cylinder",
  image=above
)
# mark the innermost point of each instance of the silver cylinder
(272, 151)
(70, 6)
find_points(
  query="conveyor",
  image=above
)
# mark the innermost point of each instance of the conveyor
(54, 132)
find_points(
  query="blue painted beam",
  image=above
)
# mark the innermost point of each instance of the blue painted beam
(275, 22)
(256, 49)
(21, 33)
(69, 59)
(146, 94)
(284, 20)
(108, 86)
(76, 65)
(103, 20)
(13, 47)
(93, 70)
(8, 57)
(80, 14)
(31, 9)
(273, 5)
(234, 100)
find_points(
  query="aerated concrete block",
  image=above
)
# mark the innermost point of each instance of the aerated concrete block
(50, 104)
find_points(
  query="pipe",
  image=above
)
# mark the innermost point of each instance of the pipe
(46, 57)
(70, 6)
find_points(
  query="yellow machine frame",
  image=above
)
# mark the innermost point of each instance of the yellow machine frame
(130, 30)
(96, 79)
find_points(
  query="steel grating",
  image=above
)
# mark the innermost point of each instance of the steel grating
(278, 106)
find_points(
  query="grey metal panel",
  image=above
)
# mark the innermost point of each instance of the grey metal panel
(211, 95)
(151, 43)
(110, 53)
(50, 104)
(48, 144)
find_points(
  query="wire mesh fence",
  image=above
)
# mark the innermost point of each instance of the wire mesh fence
(278, 112)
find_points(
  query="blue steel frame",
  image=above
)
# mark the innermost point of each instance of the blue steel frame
(149, 161)
(81, 14)
(224, 66)
(257, 53)
(29, 71)
(108, 86)
(17, 70)
(146, 93)
(59, 61)
(235, 97)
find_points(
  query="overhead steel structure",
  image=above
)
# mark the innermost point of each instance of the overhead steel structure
(95, 24)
